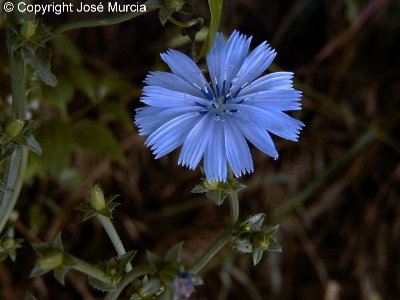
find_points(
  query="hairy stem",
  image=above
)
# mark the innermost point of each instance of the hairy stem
(114, 237)
(223, 239)
(128, 278)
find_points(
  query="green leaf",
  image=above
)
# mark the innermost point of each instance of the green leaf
(257, 254)
(40, 61)
(61, 96)
(85, 81)
(56, 139)
(124, 259)
(216, 11)
(116, 112)
(98, 139)
(173, 255)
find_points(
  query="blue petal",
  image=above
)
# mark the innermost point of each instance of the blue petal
(258, 136)
(236, 51)
(149, 118)
(172, 134)
(215, 59)
(237, 150)
(215, 164)
(254, 65)
(282, 100)
(274, 121)
(224, 62)
(171, 82)
(183, 66)
(196, 142)
(273, 81)
(161, 97)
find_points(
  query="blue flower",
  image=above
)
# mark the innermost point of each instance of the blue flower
(214, 119)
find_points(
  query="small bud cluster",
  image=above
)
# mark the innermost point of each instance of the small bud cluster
(251, 237)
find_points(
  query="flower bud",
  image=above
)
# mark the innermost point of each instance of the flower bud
(96, 198)
(260, 241)
(14, 127)
(213, 185)
(28, 29)
(8, 243)
(51, 260)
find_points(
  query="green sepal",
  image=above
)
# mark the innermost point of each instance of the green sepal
(152, 286)
(173, 255)
(257, 255)
(9, 244)
(274, 246)
(59, 274)
(166, 295)
(154, 260)
(115, 269)
(164, 14)
(38, 271)
(217, 191)
(106, 212)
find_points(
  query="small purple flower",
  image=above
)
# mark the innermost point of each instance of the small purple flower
(183, 285)
(214, 119)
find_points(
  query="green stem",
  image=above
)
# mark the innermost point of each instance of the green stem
(99, 22)
(90, 270)
(234, 207)
(15, 165)
(128, 278)
(223, 239)
(114, 237)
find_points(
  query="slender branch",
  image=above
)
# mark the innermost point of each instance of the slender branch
(128, 278)
(15, 165)
(114, 237)
(100, 22)
(223, 239)
(234, 207)
(90, 270)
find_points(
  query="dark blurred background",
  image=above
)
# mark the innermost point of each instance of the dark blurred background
(335, 192)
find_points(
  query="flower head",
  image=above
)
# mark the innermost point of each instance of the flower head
(214, 119)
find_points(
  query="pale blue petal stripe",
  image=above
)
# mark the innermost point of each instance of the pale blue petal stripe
(196, 142)
(171, 82)
(215, 160)
(183, 66)
(161, 97)
(237, 150)
(254, 65)
(273, 81)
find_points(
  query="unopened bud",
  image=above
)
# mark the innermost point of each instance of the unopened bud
(51, 260)
(28, 29)
(260, 241)
(14, 127)
(96, 198)
(8, 243)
